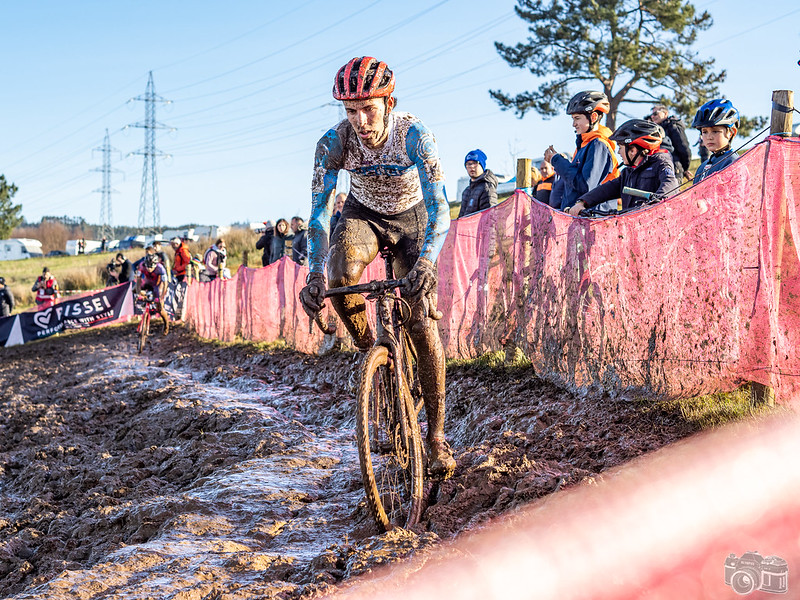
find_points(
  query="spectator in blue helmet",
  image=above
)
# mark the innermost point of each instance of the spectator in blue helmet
(718, 122)
(481, 193)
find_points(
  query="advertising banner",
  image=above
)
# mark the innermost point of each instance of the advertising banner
(78, 313)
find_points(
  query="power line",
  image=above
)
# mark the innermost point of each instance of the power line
(279, 51)
(746, 31)
(236, 38)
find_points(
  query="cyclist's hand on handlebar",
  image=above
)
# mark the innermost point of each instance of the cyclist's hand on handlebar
(421, 278)
(312, 296)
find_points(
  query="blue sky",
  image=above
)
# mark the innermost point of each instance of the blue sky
(250, 87)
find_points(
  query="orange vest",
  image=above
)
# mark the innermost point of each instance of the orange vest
(602, 133)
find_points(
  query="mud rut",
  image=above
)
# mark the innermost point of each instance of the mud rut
(220, 472)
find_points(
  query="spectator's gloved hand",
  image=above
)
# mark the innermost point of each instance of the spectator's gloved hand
(576, 209)
(422, 278)
(312, 296)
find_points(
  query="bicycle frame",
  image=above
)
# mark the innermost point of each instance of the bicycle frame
(387, 313)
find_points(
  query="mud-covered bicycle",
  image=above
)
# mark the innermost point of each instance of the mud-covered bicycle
(389, 399)
(149, 307)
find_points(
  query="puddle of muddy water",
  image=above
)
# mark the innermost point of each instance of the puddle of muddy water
(249, 526)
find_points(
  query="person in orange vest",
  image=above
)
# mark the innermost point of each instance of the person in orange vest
(46, 288)
(546, 184)
(182, 258)
(594, 161)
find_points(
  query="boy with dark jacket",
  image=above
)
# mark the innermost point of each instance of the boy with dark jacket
(481, 193)
(718, 122)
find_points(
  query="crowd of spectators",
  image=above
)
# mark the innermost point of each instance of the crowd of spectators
(285, 238)
(655, 154)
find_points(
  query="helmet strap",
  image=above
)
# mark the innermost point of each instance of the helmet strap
(640, 153)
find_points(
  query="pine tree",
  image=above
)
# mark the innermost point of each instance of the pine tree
(634, 51)
(10, 214)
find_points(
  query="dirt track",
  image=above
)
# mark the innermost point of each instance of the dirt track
(220, 472)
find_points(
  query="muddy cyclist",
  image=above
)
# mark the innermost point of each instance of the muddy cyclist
(153, 276)
(397, 201)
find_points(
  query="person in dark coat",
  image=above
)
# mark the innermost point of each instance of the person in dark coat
(481, 193)
(648, 167)
(281, 241)
(163, 258)
(264, 243)
(676, 132)
(299, 244)
(112, 270)
(125, 272)
(6, 299)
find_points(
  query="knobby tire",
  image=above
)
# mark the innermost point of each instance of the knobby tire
(144, 329)
(389, 444)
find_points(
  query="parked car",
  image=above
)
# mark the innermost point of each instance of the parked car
(57, 253)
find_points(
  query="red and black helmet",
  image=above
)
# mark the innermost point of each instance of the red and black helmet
(639, 132)
(362, 78)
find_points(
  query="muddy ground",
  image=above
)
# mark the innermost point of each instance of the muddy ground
(221, 472)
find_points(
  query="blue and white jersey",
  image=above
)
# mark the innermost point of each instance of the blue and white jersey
(389, 180)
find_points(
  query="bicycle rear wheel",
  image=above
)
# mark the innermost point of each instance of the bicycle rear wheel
(389, 444)
(144, 329)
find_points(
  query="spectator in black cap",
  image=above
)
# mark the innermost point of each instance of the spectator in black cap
(675, 130)
(481, 193)
(264, 243)
(125, 271)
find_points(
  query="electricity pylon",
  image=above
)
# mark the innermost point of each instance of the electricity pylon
(149, 193)
(106, 214)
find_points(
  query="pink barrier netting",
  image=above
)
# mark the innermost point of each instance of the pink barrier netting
(696, 294)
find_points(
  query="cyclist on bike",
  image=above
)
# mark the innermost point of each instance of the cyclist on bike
(153, 276)
(649, 167)
(397, 200)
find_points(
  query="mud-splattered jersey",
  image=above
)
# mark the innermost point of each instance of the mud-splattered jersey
(391, 179)
(153, 278)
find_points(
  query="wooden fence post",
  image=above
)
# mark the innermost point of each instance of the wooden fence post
(781, 118)
(780, 124)
(524, 174)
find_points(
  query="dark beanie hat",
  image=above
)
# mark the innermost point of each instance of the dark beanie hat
(478, 156)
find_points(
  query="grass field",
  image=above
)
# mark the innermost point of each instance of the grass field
(85, 272)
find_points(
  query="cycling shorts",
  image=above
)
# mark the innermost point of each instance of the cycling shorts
(154, 288)
(403, 233)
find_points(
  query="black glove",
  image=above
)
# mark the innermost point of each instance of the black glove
(422, 278)
(312, 296)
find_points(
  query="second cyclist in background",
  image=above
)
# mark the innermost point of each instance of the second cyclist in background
(397, 201)
(153, 276)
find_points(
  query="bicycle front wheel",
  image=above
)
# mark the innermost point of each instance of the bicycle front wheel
(144, 329)
(389, 444)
